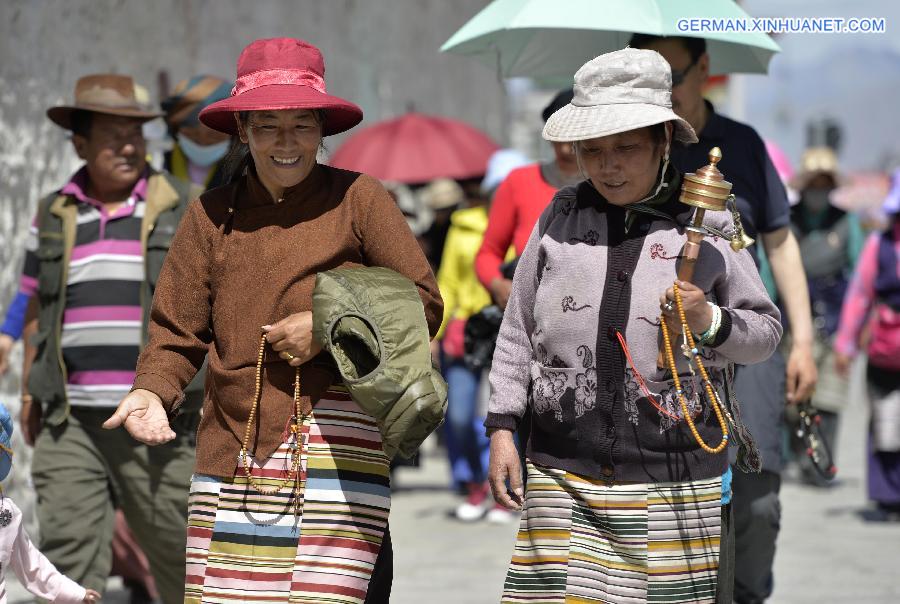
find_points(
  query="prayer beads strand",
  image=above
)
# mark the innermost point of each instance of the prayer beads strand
(297, 421)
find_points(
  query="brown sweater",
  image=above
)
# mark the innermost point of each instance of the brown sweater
(240, 261)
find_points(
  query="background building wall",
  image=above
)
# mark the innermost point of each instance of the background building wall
(380, 54)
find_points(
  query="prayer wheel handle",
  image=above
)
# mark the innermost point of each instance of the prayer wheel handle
(705, 190)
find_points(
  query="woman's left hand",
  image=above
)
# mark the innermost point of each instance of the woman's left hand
(696, 310)
(292, 338)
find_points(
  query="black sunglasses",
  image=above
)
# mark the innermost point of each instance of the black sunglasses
(678, 76)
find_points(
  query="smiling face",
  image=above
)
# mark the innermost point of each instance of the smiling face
(283, 144)
(114, 151)
(623, 167)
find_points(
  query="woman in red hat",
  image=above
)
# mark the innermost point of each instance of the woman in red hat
(291, 493)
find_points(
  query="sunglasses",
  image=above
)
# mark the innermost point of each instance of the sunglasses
(679, 76)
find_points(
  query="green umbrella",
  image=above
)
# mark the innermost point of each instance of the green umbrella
(553, 38)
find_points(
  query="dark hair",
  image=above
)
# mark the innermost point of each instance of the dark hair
(81, 122)
(696, 47)
(658, 136)
(658, 133)
(562, 98)
(238, 158)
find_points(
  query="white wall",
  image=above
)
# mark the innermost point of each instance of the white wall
(382, 54)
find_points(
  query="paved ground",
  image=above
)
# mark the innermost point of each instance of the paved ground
(829, 551)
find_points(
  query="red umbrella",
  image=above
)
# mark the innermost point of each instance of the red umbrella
(416, 148)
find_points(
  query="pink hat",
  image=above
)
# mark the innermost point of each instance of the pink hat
(281, 73)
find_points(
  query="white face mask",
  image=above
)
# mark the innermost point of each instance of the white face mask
(203, 155)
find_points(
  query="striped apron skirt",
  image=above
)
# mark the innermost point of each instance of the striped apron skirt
(321, 546)
(584, 540)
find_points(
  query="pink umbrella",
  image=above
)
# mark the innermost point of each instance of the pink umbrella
(862, 192)
(416, 148)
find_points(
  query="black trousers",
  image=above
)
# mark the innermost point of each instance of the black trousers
(725, 576)
(383, 573)
(757, 520)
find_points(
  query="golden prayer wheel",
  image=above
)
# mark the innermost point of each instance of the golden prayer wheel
(706, 188)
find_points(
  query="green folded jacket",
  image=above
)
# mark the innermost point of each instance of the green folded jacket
(372, 322)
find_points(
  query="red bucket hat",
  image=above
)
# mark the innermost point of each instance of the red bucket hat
(281, 73)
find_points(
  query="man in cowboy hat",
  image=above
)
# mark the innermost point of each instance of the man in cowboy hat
(95, 250)
(764, 387)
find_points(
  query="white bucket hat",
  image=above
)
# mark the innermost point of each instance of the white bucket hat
(617, 92)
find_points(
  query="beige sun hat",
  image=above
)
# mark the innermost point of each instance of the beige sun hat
(617, 92)
(816, 161)
(442, 193)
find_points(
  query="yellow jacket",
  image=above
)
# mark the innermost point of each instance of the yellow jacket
(463, 294)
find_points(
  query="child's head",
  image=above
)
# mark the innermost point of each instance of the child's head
(6, 429)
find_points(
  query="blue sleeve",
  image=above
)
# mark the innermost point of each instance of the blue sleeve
(15, 316)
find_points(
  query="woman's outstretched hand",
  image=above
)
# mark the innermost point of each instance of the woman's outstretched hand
(505, 465)
(143, 415)
(292, 338)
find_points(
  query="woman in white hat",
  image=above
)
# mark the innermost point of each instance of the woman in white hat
(627, 489)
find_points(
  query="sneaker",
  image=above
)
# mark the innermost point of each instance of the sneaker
(890, 511)
(500, 515)
(473, 508)
(467, 512)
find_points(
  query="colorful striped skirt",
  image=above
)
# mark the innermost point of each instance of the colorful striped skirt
(318, 546)
(583, 540)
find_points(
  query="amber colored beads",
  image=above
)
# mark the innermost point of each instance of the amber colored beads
(298, 419)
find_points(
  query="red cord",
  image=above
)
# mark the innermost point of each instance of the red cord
(640, 379)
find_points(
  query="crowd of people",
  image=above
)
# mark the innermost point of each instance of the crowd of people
(184, 401)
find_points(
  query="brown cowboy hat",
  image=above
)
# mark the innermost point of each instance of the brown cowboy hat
(105, 93)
